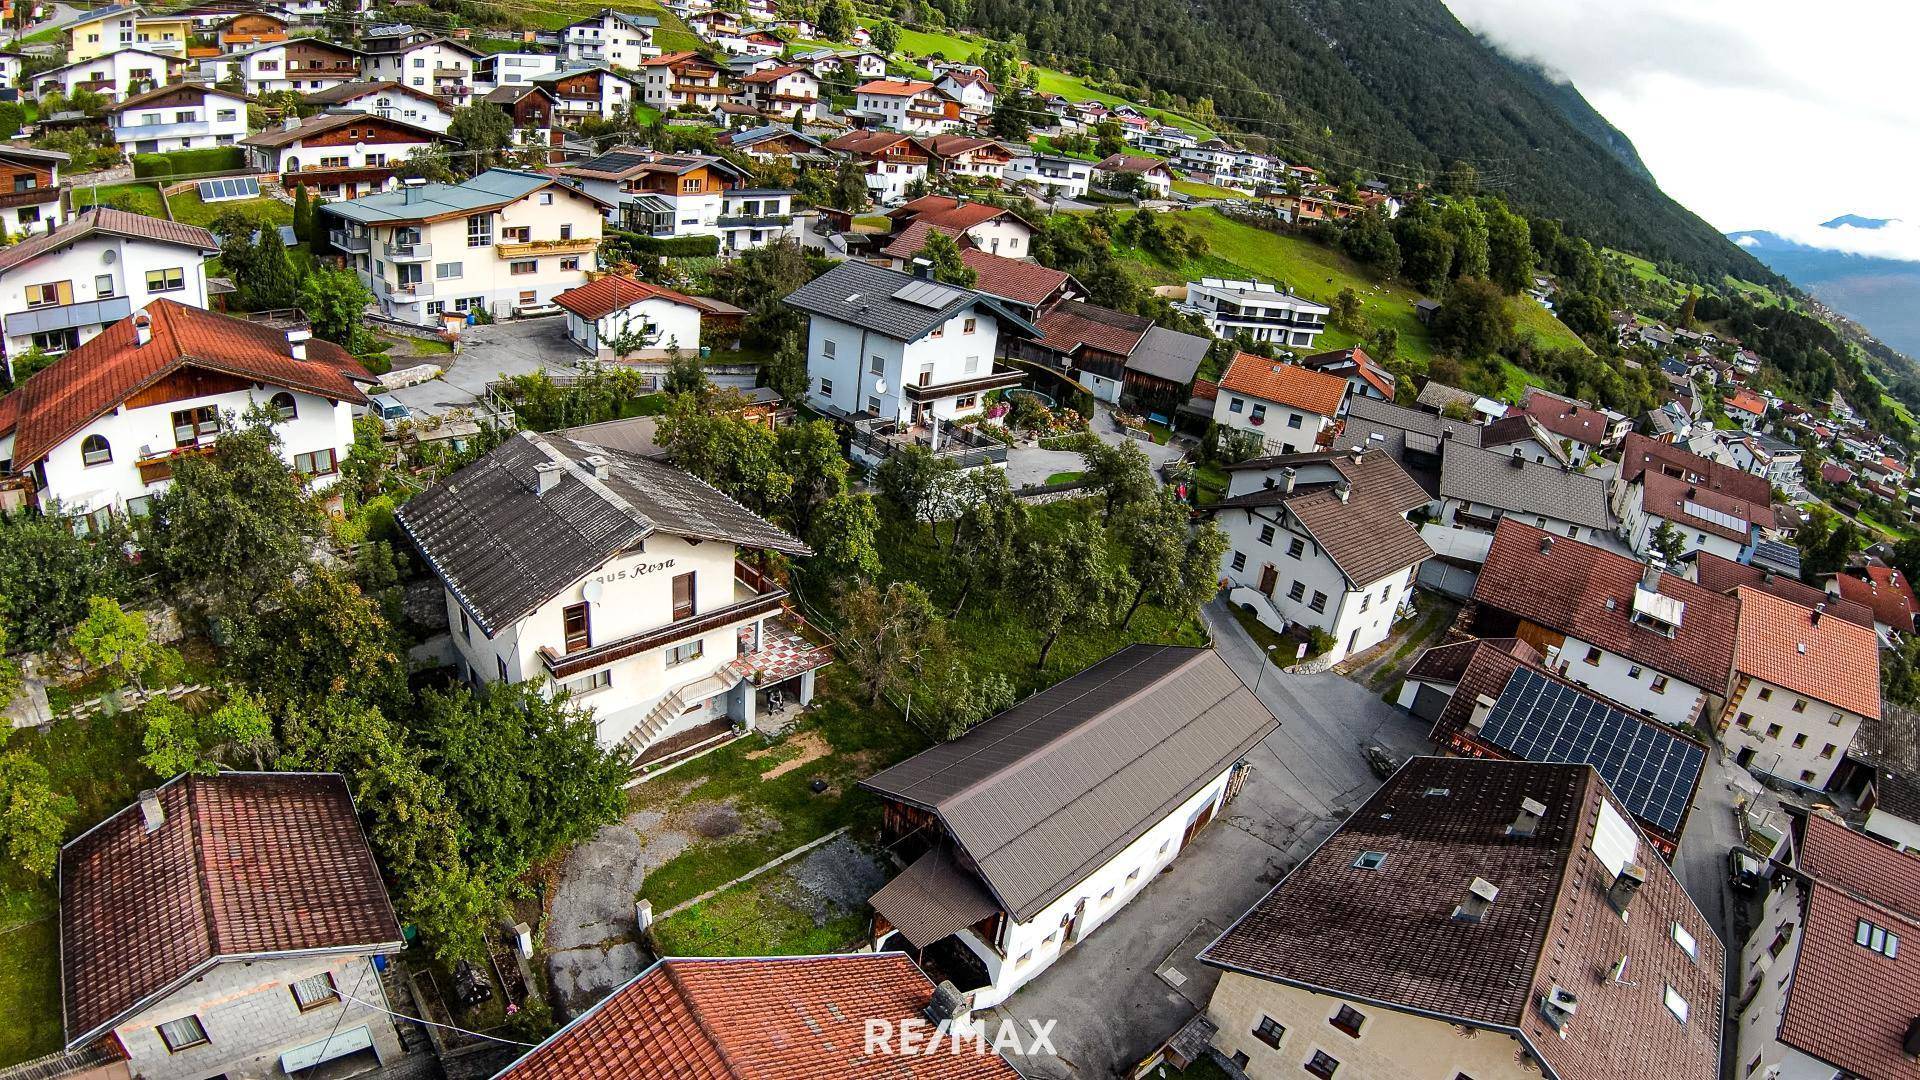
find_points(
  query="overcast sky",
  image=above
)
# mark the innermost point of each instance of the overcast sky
(1756, 114)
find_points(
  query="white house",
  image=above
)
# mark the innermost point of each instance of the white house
(1803, 684)
(114, 75)
(59, 289)
(271, 972)
(30, 191)
(98, 430)
(184, 116)
(496, 70)
(1366, 377)
(319, 11)
(302, 65)
(894, 346)
(608, 309)
(683, 79)
(1163, 140)
(425, 62)
(336, 155)
(1480, 487)
(1054, 176)
(391, 100)
(1772, 458)
(1287, 405)
(632, 593)
(1893, 810)
(591, 92)
(1321, 540)
(893, 162)
(660, 194)
(1261, 311)
(505, 241)
(609, 37)
(865, 65)
(1031, 831)
(972, 89)
(1151, 175)
(992, 229)
(913, 107)
(786, 92)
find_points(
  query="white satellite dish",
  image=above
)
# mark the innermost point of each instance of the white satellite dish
(108, 256)
(592, 590)
(879, 386)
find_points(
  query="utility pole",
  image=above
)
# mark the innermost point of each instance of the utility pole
(1266, 658)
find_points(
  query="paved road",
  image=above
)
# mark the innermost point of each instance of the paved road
(1112, 1002)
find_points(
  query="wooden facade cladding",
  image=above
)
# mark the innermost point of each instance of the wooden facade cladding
(373, 130)
(571, 664)
(187, 383)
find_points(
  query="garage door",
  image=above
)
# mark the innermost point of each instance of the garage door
(1428, 700)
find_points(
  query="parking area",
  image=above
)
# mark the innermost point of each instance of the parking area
(489, 353)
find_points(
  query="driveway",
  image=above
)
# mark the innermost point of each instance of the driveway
(1136, 981)
(486, 354)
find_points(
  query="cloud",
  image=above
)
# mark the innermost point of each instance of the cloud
(1894, 240)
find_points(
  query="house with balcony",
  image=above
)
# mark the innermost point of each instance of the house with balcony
(511, 69)
(909, 106)
(892, 162)
(1149, 176)
(30, 189)
(506, 242)
(785, 92)
(593, 91)
(1028, 833)
(622, 580)
(774, 142)
(671, 194)
(532, 110)
(619, 318)
(989, 228)
(182, 116)
(975, 159)
(1286, 405)
(343, 155)
(1583, 430)
(429, 63)
(114, 75)
(274, 967)
(968, 86)
(1711, 506)
(246, 29)
(1053, 176)
(1804, 682)
(389, 100)
(1262, 311)
(683, 79)
(98, 431)
(125, 26)
(317, 12)
(58, 289)
(614, 38)
(863, 64)
(303, 65)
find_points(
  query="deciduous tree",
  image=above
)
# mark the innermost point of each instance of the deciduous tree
(943, 252)
(845, 538)
(886, 635)
(986, 539)
(33, 814)
(1174, 565)
(235, 523)
(48, 573)
(1069, 582)
(115, 639)
(1121, 473)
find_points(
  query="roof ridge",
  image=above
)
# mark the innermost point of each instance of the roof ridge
(594, 484)
(671, 967)
(199, 883)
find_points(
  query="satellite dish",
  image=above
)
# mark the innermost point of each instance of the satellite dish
(108, 256)
(592, 590)
(879, 386)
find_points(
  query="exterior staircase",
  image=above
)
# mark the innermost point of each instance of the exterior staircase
(670, 707)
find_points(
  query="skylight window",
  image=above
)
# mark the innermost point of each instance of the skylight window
(1677, 1005)
(1686, 941)
(1370, 860)
(1877, 938)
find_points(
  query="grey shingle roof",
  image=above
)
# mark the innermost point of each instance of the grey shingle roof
(1367, 534)
(1495, 479)
(1438, 395)
(504, 549)
(495, 187)
(862, 294)
(1169, 354)
(1045, 792)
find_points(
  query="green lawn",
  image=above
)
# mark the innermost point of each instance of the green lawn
(1064, 477)
(1201, 190)
(758, 919)
(188, 208)
(140, 198)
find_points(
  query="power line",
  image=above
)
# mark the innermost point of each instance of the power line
(430, 1023)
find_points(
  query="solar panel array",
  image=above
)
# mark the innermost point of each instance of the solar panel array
(1652, 770)
(614, 161)
(928, 294)
(1718, 517)
(238, 187)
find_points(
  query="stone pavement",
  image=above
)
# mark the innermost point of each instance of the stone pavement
(487, 353)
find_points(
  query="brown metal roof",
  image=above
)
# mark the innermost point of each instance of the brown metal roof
(933, 898)
(1041, 794)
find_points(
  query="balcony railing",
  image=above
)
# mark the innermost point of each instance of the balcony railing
(157, 467)
(411, 291)
(749, 221)
(568, 665)
(343, 240)
(415, 252)
(180, 129)
(31, 196)
(580, 246)
(66, 316)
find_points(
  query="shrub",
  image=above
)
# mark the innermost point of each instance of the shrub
(675, 246)
(188, 162)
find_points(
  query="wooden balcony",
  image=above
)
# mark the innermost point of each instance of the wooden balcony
(579, 246)
(567, 665)
(31, 196)
(159, 467)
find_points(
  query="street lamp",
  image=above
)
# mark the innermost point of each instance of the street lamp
(1266, 658)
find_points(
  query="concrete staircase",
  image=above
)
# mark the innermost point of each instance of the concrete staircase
(662, 715)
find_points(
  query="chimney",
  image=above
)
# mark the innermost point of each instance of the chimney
(289, 123)
(1479, 901)
(1620, 894)
(599, 464)
(1766, 578)
(1818, 610)
(411, 190)
(1650, 577)
(1528, 820)
(1546, 544)
(1287, 477)
(1558, 1005)
(297, 343)
(949, 1006)
(548, 475)
(1516, 460)
(1482, 708)
(1359, 454)
(150, 811)
(1910, 1042)
(142, 328)
(923, 269)
(1343, 491)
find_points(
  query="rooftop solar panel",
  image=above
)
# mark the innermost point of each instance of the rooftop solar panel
(927, 294)
(1651, 770)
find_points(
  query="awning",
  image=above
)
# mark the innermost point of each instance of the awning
(339, 1044)
(933, 898)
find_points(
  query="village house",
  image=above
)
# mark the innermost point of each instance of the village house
(1883, 590)
(99, 429)
(342, 155)
(427, 62)
(125, 26)
(506, 242)
(1803, 683)
(303, 65)
(1161, 140)
(1052, 176)
(628, 590)
(1824, 986)
(1151, 175)
(1088, 343)
(1479, 488)
(646, 320)
(968, 86)
(969, 157)
(615, 38)
(893, 162)
(1653, 641)
(1892, 807)
(1221, 161)
(860, 64)
(511, 69)
(1771, 458)
(1413, 437)
(787, 92)
(1365, 377)
(900, 347)
(1710, 506)
(229, 925)
(809, 1016)
(990, 228)
(114, 75)
(1584, 431)
(30, 200)
(1365, 961)
(59, 289)
(1745, 408)
(1285, 404)
(597, 92)
(1027, 287)
(182, 116)
(1524, 434)
(1494, 699)
(1321, 540)
(1029, 832)
(249, 28)
(915, 108)
(661, 194)
(1261, 311)
(389, 100)
(1726, 577)
(683, 79)
(773, 143)
(532, 110)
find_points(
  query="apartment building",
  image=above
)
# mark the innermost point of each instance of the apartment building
(59, 289)
(1262, 311)
(615, 38)
(182, 116)
(786, 92)
(1804, 682)
(511, 69)
(389, 100)
(114, 75)
(506, 242)
(683, 79)
(426, 62)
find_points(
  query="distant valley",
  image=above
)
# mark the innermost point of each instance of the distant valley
(1882, 294)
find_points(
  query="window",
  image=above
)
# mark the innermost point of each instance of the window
(1800, 705)
(826, 387)
(1370, 860)
(1322, 1065)
(1806, 776)
(1259, 414)
(973, 365)
(446, 270)
(521, 267)
(1293, 420)
(480, 230)
(1677, 1005)
(1297, 591)
(826, 348)
(1686, 942)
(967, 401)
(1773, 731)
(873, 404)
(1593, 656)
(578, 626)
(284, 406)
(1239, 560)
(1827, 751)
(546, 198)
(316, 463)
(314, 991)
(466, 626)
(685, 651)
(1266, 535)
(95, 451)
(1766, 693)
(103, 286)
(50, 294)
(1633, 671)
(1834, 719)
(570, 263)
(1269, 1032)
(1876, 938)
(967, 326)
(1366, 601)
(1133, 875)
(1659, 684)
(1319, 601)
(517, 234)
(1745, 719)
(1296, 546)
(182, 1034)
(877, 364)
(683, 605)
(1800, 740)
(1236, 405)
(171, 279)
(1348, 1019)
(1781, 939)
(190, 424)
(500, 663)
(587, 684)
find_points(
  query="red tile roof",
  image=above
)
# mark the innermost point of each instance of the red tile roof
(1285, 384)
(1669, 498)
(1835, 473)
(1014, 279)
(1748, 401)
(892, 88)
(615, 292)
(1639, 454)
(1725, 575)
(1886, 591)
(873, 142)
(781, 1018)
(1830, 660)
(101, 374)
(1364, 366)
(1205, 390)
(1586, 592)
(951, 213)
(1131, 163)
(909, 241)
(244, 864)
(1567, 419)
(112, 223)
(775, 74)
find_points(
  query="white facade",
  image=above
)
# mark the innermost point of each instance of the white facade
(63, 298)
(1058, 177)
(268, 69)
(1451, 509)
(1766, 972)
(888, 180)
(117, 74)
(1667, 698)
(899, 107)
(754, 217)
(1787, 734)
(608, 38)
(794, 93)
(1892, 828)
(1283, 429)
(318, 11)
(674, 327)
(1259, 310)
(495, 70)
(842, 375)
(689, 81)
(425, 112)
(972, 94)
(1638, 528)
(217, 118)
(432, 67)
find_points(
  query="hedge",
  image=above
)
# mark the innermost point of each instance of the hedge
(189, 162)
(673, 246)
